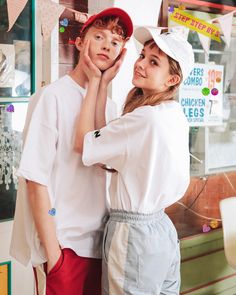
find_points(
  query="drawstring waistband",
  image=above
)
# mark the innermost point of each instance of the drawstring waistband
(125, 216)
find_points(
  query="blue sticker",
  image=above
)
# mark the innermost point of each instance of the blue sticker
(52, 212)
(64, 22)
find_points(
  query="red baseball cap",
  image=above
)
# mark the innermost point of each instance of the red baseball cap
(123, 16)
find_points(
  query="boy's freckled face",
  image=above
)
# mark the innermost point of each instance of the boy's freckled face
(105, 47)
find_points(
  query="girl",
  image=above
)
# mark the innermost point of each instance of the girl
(148, 149)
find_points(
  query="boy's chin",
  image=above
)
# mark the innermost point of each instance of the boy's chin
(103, 67)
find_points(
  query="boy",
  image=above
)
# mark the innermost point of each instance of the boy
(58, 220)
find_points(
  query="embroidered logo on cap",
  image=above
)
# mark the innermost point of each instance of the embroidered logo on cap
(97, 133)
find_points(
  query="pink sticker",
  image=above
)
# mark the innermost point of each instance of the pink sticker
(206, 228)
(214, 91)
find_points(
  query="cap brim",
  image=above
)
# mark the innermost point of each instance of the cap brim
(144, 34)
(172, 44)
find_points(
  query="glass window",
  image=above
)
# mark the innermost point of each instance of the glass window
(17, 61)
(212, 147)
(12, 117)
(16, 53)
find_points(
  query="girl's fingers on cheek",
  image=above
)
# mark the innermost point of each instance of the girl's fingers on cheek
(86, 47)
(123, 54)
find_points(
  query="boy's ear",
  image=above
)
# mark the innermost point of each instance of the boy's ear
(173, 80)
(78, 43)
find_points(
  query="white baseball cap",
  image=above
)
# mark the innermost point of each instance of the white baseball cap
(171, 43)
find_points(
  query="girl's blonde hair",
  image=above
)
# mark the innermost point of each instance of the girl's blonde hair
(136, 98)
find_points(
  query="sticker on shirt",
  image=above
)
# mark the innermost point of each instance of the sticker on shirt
(97, 133)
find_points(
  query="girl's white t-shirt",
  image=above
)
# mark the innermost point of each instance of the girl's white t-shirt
(78, 193)
(149, 148)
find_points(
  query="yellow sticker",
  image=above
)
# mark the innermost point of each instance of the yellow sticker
(214, 223)
(181, 7)
(195, 24)
(4, 279)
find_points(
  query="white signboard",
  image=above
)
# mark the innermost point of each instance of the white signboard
(201, 95)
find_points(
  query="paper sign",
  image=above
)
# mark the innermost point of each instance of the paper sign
(14, 9)
(201, 95)
(195, 24)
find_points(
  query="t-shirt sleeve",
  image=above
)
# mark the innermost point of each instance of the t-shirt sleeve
(39, 147)
(110, 145)
(30, 109)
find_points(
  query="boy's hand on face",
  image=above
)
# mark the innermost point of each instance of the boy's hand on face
(52, 260)
(111, 72)
(90, 69)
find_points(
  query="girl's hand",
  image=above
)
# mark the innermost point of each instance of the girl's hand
(110, 73)
(90, 69)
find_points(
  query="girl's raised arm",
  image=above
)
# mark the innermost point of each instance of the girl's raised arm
(86, 118)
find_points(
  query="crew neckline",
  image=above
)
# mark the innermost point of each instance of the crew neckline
(83, 90)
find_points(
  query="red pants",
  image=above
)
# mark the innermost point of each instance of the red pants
(72, 275)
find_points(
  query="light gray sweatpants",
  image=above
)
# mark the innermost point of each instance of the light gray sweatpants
(140, 255)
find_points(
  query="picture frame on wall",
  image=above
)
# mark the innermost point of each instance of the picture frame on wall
(17, 54)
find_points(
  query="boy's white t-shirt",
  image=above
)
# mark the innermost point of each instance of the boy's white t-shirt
(78, 193)
(149, 148)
